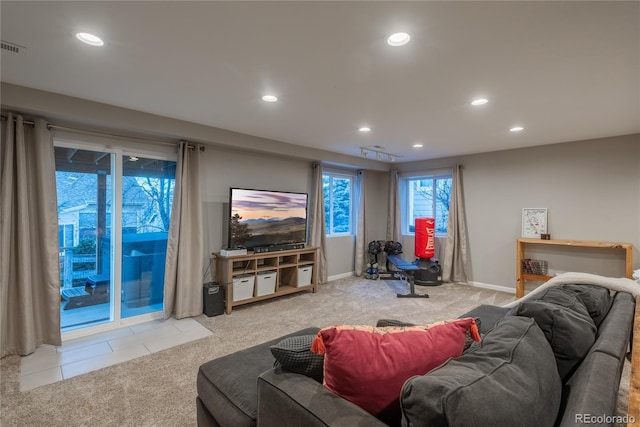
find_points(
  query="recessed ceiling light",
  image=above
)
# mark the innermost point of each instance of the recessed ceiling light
(90, 39)
(398, 39)
(479, 101)
(365, 129)
(516, 129)
(417, 145)
(270, 98)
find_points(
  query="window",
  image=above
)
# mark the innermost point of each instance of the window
(426, 196)
(338, 196)
(66, 237)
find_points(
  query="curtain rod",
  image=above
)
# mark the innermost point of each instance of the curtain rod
(26, 122)
(51, 126)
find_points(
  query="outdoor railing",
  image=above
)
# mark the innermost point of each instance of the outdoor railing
(68, 274)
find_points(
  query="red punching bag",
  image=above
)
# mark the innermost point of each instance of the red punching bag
(425, 237)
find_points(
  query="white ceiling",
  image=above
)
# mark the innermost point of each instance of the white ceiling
(565, 71)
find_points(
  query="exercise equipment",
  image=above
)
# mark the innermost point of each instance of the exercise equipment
(373, 272)
(407, 270)
(425, 270)
(430, 273)
(375, 248)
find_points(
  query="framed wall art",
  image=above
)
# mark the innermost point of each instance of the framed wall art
(534, 222)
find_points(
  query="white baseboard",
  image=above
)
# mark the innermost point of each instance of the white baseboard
(340, 276)
(493, 287)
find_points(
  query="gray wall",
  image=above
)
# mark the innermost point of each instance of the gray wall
(225, 168)
(231, 159)
(590, 188)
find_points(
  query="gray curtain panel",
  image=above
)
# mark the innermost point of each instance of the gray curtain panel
(455, 257)
(393, 213)
(185, 245)
(29, 268)
(317, 236)
(361, 242)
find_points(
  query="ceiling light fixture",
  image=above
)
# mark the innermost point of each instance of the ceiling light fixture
(90, 39)
(378, 154)
(365, 129)
(516, 129)
(417, 145)
(270, 98)
(479, 101)
(398, 39)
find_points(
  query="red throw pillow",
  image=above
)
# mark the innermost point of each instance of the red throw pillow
(368, 365)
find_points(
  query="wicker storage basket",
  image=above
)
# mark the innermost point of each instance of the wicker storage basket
(534, 266)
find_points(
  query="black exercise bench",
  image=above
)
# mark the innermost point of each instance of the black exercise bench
(407, 270)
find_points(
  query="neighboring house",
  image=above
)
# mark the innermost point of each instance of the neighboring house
(78, 207)
(84, 250)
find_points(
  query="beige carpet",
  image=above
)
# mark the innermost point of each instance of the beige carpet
(160, 389)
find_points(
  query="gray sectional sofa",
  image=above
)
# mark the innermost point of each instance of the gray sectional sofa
(553, 359)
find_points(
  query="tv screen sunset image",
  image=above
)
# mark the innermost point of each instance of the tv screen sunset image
(265, 218)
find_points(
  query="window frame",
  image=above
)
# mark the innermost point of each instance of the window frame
(329, 218)
(65, 233)
(406, 197)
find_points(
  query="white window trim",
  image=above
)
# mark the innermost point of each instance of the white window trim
(75, 233)
(405, 177)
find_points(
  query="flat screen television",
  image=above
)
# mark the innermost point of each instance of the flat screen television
(260, 218)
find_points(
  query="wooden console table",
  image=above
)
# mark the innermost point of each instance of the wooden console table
(521, 277)
(284, 264)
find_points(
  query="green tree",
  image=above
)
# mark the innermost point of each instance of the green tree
(238, 233)
(337, 204)
(86, 247)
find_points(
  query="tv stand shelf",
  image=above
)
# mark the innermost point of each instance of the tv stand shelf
(285, 264)
(521, 276)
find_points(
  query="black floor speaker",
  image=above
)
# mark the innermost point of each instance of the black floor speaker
(213, 299)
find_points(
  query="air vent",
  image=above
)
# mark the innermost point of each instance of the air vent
(10, 47)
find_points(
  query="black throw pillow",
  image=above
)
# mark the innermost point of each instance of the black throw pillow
(383, 323)
(294, 354)
(566, 324)
(597, 299)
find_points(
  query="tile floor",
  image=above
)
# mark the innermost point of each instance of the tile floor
(49, 364)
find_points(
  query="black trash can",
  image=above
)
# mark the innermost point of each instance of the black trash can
(213, 299)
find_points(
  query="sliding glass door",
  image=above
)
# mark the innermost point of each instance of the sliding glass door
(113, 220)
(84, 186)
(147, 193)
